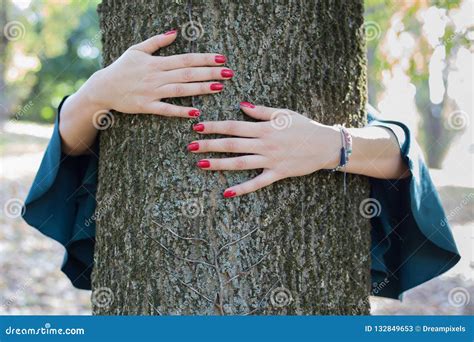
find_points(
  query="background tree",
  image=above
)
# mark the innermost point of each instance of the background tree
(422, 41)
(53, 47)
(167, 242)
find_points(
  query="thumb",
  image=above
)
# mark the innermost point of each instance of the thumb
(156, 42)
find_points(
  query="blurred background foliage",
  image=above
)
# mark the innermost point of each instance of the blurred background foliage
(420, 62)
(54, 49)
(420, 67)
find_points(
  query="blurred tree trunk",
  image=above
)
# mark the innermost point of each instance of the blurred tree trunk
(167, 242)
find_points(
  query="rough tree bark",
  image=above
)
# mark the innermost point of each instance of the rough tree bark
(167, 242)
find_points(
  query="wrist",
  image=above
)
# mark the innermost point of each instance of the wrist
(91, 93)
(334, 147)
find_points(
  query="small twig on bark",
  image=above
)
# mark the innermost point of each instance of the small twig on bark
(237, 241)
(181, 237)
(275, 284)
(221, 285)
(248, 269)
(193, 289)
(177, 256)
(154, 308)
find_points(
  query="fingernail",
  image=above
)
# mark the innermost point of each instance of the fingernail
(220, 59)
(227, 73)
(198, 127)
(193, 146)
(217, 86)
(229, 193)
(171, 32)
(247, 104)
(203, 164)
(194, 113)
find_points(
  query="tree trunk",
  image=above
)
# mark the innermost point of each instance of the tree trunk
(167, 241)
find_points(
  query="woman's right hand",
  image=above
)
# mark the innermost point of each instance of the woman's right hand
(136, 83)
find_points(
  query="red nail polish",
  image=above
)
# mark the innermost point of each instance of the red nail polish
(203, 164)
(220, 59)
(247, 104)
(193, 146)
(198, 127)
(171, 32)
(229, 193)
(194, 113)
(227, 73)
(217, 86)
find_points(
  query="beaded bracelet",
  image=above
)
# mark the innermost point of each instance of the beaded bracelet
(346, 150)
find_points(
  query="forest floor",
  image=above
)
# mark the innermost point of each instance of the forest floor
(31, 281)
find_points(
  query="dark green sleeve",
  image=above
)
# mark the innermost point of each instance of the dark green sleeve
(61, 205)
(411, 238)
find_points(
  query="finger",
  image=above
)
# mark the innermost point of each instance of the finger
(237, 128)
(260, 112)
(197, 74)
(191, 60)
(167, 109)
(230, 145)
(156, 42)
(188, 89)
(262, 180)
(238, 163)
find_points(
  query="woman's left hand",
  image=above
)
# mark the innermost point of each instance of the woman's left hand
(284, 144)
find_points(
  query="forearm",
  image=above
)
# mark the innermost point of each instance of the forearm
(376, 153)
(76, 125)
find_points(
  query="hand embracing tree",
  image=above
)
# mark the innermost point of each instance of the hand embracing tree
(168, 242)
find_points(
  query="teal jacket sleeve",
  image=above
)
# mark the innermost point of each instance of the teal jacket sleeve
(61, 204)
(411, 238)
